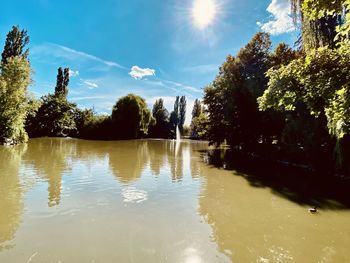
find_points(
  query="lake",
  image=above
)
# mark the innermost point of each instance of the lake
(68, 200)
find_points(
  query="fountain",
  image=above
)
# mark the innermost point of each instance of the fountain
(178, 134)
(178, 140)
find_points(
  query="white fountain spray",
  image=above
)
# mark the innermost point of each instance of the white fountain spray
(178, 135)
(178, 139)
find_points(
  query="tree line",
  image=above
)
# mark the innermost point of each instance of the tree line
(23, 116)
(288, 103)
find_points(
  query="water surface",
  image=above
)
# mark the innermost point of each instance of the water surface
(67, 200)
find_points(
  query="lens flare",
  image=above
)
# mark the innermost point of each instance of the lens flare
(203, 13)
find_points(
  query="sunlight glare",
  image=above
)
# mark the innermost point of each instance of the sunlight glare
(204, 12)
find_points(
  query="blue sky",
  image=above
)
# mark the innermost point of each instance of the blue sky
(152, 48)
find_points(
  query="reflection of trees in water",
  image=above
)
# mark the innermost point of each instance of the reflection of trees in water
(196, 158)
(216, 207)
(157, 150)
(50, 159)
(175, 160)
(128, 159)
(11, 193)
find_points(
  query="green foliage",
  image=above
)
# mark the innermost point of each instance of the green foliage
(231, 99)
(282, 55)
(197, 108)
(16, 40)
(177, 117)
(161, 127)
(92, 126)
(323, 22)
(131, 117)
(199, 127)
(253, 61)
(196, 112)
(62, 82)
(186, 131)
(320, 80)
(14, 80)
(182, 112)
(55, 117)
(33, 106)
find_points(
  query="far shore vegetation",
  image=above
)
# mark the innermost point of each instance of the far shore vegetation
(288, 103)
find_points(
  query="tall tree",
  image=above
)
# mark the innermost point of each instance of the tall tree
(15, 77)
(319, 20)
(196, 112)
(161, 116)
(231, 98)
(14, 81)
(174, 116)
(56, 115)
(197, 108)
(62, 82)
(16, 40)
(182, 113)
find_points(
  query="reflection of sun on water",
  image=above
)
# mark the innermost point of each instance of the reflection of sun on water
(204, 12)
(192, 256)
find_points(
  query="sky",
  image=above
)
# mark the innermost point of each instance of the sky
(155, 48)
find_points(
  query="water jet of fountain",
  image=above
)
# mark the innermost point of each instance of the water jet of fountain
(178, 140)
(178, 135)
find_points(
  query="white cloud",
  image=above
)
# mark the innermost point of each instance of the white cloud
(90, 84)
(282, 21)
(73, 73)
(139, 73)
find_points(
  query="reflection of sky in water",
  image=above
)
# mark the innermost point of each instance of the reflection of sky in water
(134, 195)
(145, 201)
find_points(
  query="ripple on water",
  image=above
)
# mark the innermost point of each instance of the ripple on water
(134, 195)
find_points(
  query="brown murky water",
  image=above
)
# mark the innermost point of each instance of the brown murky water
(66, 200)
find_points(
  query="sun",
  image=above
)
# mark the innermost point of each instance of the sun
(203, 13)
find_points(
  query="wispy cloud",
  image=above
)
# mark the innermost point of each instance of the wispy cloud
(71, 54)
(73, 73)
(281, 18)
(138, 73)
(90, 84)
(182, 86)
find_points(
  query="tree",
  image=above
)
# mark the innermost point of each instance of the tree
(174, 116)
(231, 98)
(131, 117)
(253, 61)
(201, 126)
(56, 115)
(319, 78)
(62, 82)
(320, 81)
(14, 81)
(182, 113)
(197, 108)
(16, 40)
(323, 22)
(161, 116)
(196, 112)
